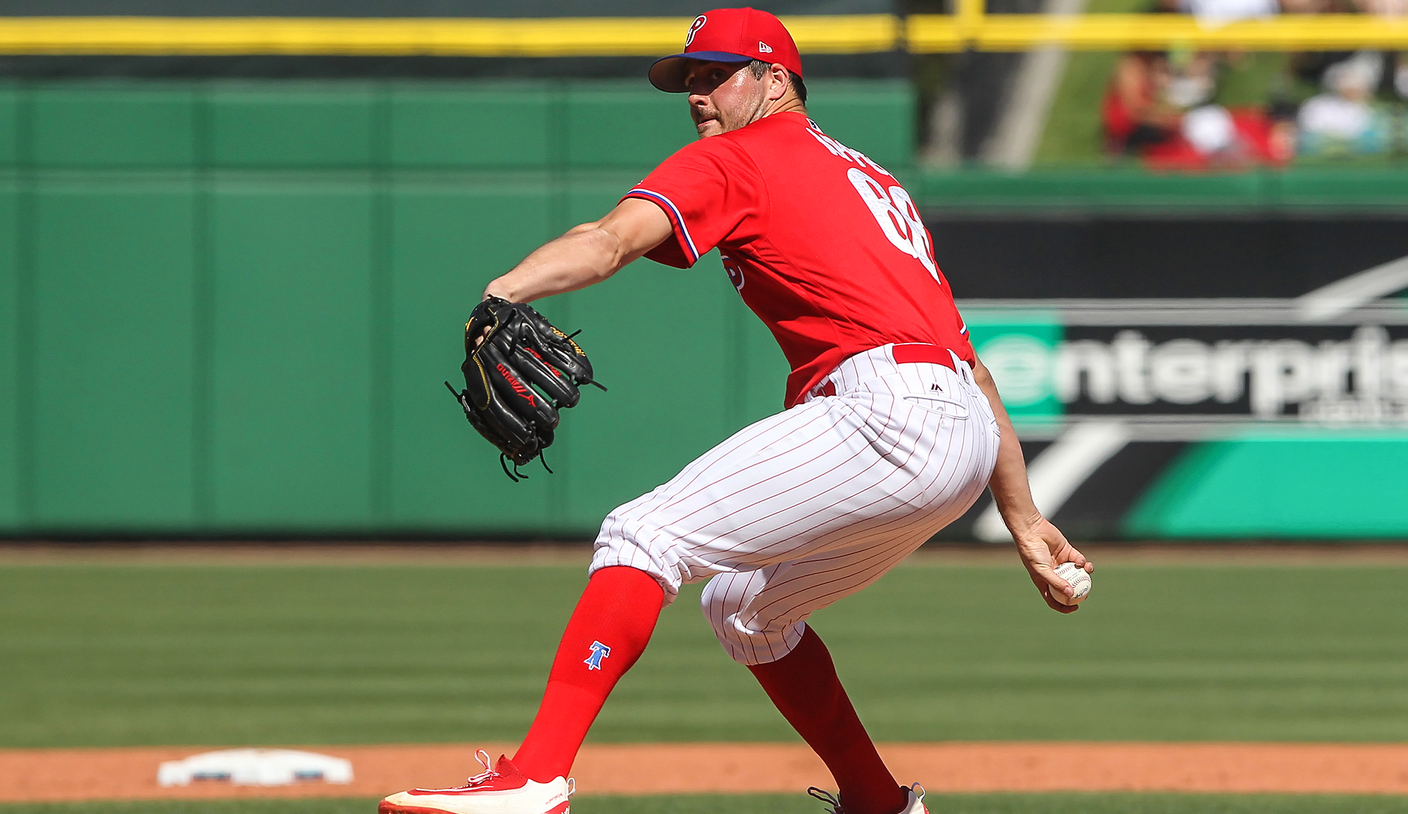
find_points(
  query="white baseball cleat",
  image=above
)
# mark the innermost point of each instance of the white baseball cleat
(916, 800)
(498, 790)
(914, 805)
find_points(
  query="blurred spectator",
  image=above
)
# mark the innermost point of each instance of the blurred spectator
(1343, 118)
(1158, 107)
(1162, 107)
(1136, 112)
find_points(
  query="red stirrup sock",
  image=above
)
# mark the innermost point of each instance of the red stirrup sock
(804, 687)
(606, 634)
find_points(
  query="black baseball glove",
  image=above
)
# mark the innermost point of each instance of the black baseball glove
(518, 372)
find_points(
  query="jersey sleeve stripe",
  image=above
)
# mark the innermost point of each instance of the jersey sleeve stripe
(673, 213)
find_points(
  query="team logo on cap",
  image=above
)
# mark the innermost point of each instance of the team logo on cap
(694, 29)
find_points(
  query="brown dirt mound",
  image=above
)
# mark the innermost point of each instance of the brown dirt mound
(113, 774)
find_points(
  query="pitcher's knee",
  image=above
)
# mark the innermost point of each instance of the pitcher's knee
(747, 639)
(625, 541)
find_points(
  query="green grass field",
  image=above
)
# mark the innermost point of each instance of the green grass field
(112, 655)
(215, 655)
(801, 804)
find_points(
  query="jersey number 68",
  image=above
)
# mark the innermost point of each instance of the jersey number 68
(898, 217)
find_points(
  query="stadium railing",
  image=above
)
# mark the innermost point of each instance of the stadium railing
(971, 28)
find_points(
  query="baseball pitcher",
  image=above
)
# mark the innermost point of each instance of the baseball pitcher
(892, 426)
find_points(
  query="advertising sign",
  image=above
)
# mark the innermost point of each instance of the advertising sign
(1212, 417)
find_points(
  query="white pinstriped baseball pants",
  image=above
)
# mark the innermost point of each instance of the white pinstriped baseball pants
(810, 505)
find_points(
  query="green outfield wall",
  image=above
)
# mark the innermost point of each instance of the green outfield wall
(227, 308)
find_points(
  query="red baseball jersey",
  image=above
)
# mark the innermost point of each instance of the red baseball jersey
(821, 242)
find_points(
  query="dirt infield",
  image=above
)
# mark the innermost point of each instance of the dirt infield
(117, 774)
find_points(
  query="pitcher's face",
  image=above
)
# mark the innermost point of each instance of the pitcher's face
(724, 96)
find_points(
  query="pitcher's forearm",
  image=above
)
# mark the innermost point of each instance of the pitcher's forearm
(588, 254)
(1010, 489)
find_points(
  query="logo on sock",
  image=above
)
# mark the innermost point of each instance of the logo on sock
(599, 652)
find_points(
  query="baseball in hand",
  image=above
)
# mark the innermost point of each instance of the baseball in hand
(1078, 578)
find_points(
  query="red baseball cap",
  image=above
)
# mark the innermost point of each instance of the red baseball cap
(728, 35)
